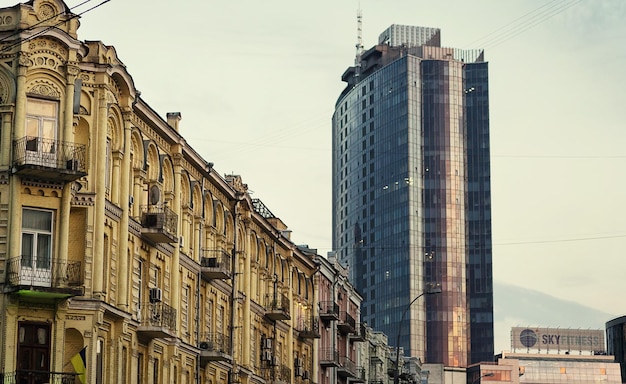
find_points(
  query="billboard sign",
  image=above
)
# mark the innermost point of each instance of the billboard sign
(563, 339)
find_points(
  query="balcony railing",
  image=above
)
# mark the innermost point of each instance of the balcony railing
(157, 320)
(49, 159)
(159, 224)
(329, 358)
(215, 264)
(36, 377)
(347, 367)
(360, 375)
(214, 347)
(359, 334)
(277, 307)
(346, 324)
(283, 374)
(329, 311)
(309, 328)
(51, 277)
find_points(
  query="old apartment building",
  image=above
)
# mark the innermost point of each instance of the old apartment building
(119, 240)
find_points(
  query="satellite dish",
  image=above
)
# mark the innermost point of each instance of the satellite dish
(154, 195)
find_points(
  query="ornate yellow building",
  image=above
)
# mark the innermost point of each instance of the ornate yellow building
(117, 238)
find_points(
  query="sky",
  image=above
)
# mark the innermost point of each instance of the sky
(256, 82)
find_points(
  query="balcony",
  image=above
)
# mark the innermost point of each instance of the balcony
(159, 224)
(50, 159)
(375, 359)
(44, 278)
(157, 320)
(309, 328)
(277, 307)
(329, 311)
(215, 264)
(360, 375)
(346, 324)
(329, 358)
(29, 376)
(346, 368)
(359, 334)
(283, 374)
(214, 347)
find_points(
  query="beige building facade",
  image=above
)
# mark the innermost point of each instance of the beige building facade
(117, 238)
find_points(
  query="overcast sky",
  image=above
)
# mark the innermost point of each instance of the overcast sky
(256, 82)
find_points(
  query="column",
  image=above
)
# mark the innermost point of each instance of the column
(175, 206)
(100, 160)
(125, 260)
(18, 132)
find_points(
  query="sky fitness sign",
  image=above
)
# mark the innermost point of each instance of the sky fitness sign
(557, 339)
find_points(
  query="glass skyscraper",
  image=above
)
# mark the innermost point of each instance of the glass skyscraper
(412, 195)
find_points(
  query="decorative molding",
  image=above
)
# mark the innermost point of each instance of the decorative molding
(44, 88)
(42, 184)
(112, 211)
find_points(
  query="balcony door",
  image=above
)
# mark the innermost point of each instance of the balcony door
(41, 132)
(36, 248)
(33, 353)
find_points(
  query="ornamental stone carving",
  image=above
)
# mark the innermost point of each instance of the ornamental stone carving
(44, 88)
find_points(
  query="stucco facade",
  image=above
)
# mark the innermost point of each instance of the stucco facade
(116, 236)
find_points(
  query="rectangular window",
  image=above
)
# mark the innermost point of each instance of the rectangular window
(99, 362)
(36, 247)
(139, 368)
(41, 131)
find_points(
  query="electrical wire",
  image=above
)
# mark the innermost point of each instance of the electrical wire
(73, 16)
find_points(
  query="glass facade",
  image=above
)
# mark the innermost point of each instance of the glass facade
(408, 211)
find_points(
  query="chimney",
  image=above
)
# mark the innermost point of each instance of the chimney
(173, 118)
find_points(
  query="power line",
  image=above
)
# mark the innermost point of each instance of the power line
(73, 16)
(525, 22)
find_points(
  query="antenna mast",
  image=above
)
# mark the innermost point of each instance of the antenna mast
(359, 40)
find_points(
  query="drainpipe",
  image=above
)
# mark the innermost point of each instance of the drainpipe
(198, 284)
(233, 296)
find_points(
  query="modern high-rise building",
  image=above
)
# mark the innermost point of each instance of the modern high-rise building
(412, 194)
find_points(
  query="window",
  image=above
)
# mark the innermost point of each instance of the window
(99, 362)
(36, 246)
(41, 131)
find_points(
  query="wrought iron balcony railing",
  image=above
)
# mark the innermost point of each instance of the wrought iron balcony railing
(309, 328)
(277, 307)
(329, 310)
(347, 323)
(30, 376)
(347, 367)
(215, 341)
(215, 264)
(49, 158)
(283, 374)
(157, 320)
(159, 224)
(329, 358)
(214, 347)
(360, 333)
(29, 273)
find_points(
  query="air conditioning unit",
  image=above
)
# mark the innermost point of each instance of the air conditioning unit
(298, 371)
(155, 295)
(305, 375)
(267, 343)
(266, 355)
(131, 200)
(181, 241)
(274, 361)
(205, 346)
(152, 220)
